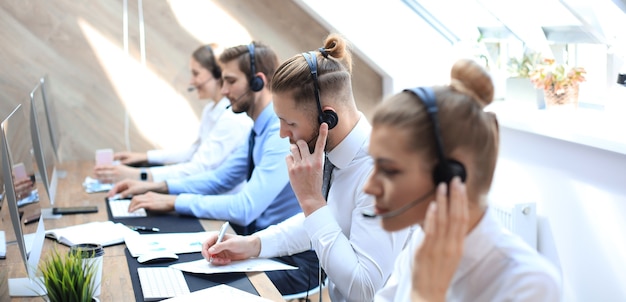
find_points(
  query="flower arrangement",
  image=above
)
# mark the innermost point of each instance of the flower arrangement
(556, 77)
(522, 68)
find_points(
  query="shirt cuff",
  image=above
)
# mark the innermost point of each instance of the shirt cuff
(182, 205)
(158, 174)
(174, 186)
(277, 240)
(319, 223)
(155, 156)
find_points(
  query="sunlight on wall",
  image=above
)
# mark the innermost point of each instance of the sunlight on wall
(501, 187)
(415, 55)
(208, 23)
(607, 218)
(142, 91)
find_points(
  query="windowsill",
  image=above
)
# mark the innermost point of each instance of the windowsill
(591, 127)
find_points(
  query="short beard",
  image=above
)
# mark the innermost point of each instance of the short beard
(313, 141)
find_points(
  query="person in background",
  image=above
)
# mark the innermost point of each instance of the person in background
(24, 187)
(421, 139)
(221, 132)
(267, 198)
(312, 94)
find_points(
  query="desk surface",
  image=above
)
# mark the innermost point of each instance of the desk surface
(116, 283)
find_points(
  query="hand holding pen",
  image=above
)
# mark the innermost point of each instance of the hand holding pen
(220, 237)
(222, 249)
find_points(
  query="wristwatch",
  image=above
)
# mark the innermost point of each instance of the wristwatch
(143, 175)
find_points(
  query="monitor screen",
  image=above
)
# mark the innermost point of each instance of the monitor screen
(16, 148)
(51, 116)
(42, 143)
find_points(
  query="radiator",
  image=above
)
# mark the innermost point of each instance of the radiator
(520, 219)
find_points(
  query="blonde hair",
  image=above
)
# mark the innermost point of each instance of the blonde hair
(334, 69)
(464, 126)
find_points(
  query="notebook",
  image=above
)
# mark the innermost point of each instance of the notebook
(104, 233)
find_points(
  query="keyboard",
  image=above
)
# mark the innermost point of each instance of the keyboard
(119, 209)
(159, 283)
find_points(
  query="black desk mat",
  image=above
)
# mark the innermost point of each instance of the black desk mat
(174, 223)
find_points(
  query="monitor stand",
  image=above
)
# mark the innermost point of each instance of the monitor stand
(33, 285)
(46, 213)
(61, 174)
(25, 287)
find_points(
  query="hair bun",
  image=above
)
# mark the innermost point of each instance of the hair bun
(473, 79)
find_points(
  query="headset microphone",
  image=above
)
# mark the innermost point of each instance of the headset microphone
(239, 98)
(400, 210)
(194, 87)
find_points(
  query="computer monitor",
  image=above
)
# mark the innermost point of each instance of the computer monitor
(51, 116)
(42, 142)
(15, 144)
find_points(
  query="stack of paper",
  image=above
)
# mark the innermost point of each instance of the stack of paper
(177, 243)
(202, 266)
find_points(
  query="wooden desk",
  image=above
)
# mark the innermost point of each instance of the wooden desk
(116, 284)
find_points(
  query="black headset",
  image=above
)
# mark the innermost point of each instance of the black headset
(446, 168)
(256, 82)
(327, 116)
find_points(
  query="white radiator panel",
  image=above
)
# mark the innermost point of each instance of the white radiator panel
(520, 219)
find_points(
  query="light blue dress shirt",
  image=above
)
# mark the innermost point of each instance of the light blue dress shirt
(266, 198)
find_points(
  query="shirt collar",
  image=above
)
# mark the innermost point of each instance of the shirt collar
(216, 110)
(264, 119)
(343, 154)
(478, 243)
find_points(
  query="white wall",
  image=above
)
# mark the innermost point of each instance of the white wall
(581, 195)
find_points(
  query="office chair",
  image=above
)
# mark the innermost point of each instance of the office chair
(302, 296)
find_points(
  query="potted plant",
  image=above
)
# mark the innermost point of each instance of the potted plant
(67, 278)
(518, 85)
(558, 81)
(522, 68)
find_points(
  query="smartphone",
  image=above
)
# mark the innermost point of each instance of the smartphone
(104, 157)
(19, 171)
(75, 210)
(32, 218)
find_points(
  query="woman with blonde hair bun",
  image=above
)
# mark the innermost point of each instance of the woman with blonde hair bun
(435, 152)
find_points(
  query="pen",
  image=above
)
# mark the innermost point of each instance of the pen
(220, 236)
(143, 228)
(32, 218)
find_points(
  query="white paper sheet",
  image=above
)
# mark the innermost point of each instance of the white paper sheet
(220, 292)
(177, 243)
(93, 185)
(250, 265)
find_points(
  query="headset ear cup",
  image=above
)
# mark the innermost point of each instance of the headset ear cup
(444, 172)
(457, 169)
(330, 117)
(256, 84)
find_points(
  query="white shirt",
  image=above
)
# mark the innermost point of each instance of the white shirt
(355, 252)
(221, 131)
(496, 266)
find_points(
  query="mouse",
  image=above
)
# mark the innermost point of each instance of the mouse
(157, 257)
